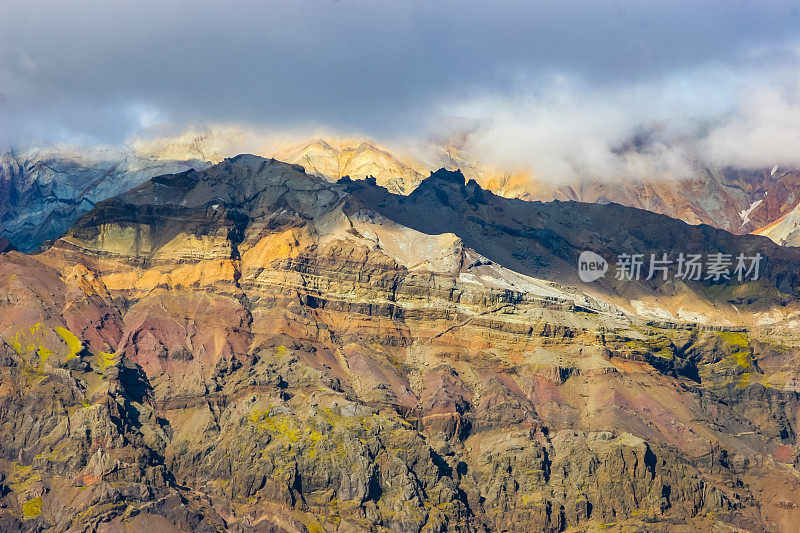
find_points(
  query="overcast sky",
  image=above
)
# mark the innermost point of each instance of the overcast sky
(99, 71)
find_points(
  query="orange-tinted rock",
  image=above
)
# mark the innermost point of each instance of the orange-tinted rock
(251, 346)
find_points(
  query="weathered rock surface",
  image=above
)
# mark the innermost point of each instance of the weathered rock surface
(785, 230)
(332, 159)
(44, 190)
(736, 200)
(251, 348)
(48, 188)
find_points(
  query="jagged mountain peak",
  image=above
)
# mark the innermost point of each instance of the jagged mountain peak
(235, 340)
(358, 158)
(49, 186)
(448, 176)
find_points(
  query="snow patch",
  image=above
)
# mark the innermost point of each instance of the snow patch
(746, 213)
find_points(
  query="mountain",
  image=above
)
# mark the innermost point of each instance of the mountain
(785, 230)
(545, 239)
(253, 348)
(736, 200)
(49, 188)
(335, 159)
(44, 190)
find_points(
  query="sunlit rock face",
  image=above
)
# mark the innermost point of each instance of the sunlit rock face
(44, 190)
(736, 200)
(328, 157)
(48, 188)
(251, 347)
(739, 201)
(357, 159)
(785, 230)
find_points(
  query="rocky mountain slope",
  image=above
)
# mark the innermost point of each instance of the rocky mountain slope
(335, 159)
(785, 230)
(44, 190)
(47, 189)
(739, 201)
(736, 200)
(252, 348)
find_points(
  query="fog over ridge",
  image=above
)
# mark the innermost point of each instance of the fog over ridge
(589, 90)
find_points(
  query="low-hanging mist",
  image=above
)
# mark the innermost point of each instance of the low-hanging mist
(561, 129)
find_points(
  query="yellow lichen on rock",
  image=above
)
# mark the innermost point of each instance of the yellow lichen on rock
(278, 424)
(73, 343)
(31, 343)
(106, 360)
(32, 508)
(734, 338)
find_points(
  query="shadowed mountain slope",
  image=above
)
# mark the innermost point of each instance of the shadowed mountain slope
(252, 348)
(545, 239)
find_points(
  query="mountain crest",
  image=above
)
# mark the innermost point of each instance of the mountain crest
(448, 176)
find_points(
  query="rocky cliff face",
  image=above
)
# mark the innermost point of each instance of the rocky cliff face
(736, 200)
(785, 230)
(44, 190)
(252, 348)
(47, 189)
(739, 201)
(358, 159)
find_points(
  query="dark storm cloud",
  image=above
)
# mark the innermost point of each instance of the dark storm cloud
(100, 70)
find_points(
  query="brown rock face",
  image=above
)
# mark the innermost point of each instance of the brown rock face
(250, 348)
(736, 200)
(49, 188)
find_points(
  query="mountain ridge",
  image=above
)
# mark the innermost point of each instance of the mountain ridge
(251, 346)
(739, 201)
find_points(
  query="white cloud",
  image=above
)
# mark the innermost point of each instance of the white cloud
(764, 131)
(145, 116)
(562, 129)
